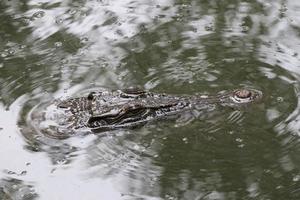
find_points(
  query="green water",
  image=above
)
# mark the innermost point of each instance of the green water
(58, 48)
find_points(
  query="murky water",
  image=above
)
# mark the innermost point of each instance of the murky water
(54, 49)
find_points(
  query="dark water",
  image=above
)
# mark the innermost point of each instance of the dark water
(53, 49)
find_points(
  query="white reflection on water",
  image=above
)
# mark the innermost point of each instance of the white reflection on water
(9, 138)
(280, 48)
(103, 24)
(100, 168)
(50, 182)
(292, 123)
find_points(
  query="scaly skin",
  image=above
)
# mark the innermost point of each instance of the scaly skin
(109, 110)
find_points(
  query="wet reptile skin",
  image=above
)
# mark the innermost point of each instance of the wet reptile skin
(108, 110)
(104, 110)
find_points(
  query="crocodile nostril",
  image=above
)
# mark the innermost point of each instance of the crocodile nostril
(243, 94)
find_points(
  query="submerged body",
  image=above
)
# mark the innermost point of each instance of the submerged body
(107, 110)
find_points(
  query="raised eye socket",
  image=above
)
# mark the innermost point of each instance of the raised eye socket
(243, 94)
(90, 97)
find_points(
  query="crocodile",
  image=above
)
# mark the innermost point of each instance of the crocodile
(107, 110)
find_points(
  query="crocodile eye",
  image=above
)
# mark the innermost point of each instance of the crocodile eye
(243, 94)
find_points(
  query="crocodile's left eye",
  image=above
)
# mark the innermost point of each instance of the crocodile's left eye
(245, 96)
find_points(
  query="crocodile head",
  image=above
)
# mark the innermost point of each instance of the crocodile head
(116, 109)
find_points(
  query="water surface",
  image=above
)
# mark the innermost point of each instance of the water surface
(54, 49)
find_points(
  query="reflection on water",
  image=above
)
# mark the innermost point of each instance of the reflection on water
(53, 49)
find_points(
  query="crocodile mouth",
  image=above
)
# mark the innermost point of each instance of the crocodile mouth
(129, 119)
